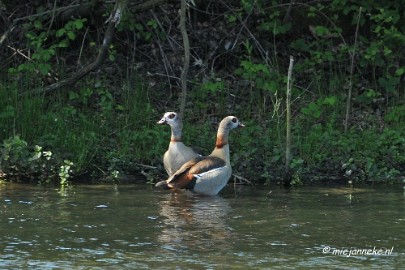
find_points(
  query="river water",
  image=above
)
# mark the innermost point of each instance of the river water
(140, 227)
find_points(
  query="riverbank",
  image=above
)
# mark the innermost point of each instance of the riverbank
(79, 98)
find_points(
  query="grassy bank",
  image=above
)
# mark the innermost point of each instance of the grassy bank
(347, 109)
(108, 134)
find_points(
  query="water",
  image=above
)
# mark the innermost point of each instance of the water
(140, 227)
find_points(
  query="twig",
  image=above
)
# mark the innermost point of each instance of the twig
(166, 62)
(242, 179)
(146, 5)
(47, 12)
(19, 52)
(145, 166)
(81, 47)
(163, 75)
(113, 20)
(349, 94)
(17, 20)
(287, 16)
(186, 44)
(5, 35)
(262, 51)
(52, 18)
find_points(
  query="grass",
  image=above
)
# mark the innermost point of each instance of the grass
(103, 132)
(86, 129)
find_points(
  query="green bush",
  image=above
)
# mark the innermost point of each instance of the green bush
(22, 162)
(105, 124)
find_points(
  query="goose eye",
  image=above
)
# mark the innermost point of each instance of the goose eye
(172, 115)
(234, 120)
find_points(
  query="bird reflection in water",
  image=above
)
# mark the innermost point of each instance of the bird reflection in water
(191, 222)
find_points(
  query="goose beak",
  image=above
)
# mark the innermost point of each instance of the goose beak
(161, 121)
(241, 125)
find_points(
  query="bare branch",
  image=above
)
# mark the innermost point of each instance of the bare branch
(288, 116)
(146, 5)
(186, 44)
(349, 94)
(113, 20)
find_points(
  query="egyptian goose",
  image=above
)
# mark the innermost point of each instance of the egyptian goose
(207, 175)
(178, 153)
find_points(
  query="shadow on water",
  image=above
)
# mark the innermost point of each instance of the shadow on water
(140, 227)
(192, 225)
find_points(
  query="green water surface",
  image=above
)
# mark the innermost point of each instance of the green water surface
(140, 227)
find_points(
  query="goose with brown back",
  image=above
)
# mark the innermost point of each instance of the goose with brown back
(207, 175)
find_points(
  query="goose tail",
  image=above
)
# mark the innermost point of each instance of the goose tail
(162, 184)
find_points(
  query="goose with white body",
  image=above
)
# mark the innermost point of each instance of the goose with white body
(207, 175)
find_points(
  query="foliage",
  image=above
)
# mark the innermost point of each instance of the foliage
(79, 130)
(20, 161)
(65, 172)
(38, 37)
(381, 161)
(105, 124)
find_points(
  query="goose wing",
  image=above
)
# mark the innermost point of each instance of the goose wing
(185, 177)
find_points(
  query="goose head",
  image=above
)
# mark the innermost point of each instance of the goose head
(171, 119)
(230, 122)
(236, 123)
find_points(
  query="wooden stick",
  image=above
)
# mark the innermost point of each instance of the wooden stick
(349, 94)
(186, 43)
(288, 117)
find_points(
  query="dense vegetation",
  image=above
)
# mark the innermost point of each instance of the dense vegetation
(347, 94)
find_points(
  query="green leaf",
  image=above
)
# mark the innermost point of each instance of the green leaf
(300, 44)
(73, 95)
(389, 83)
(60, 32)
(71, 35)
(330, 100)
(139, 27)
(400, 71)
(63, 44)
(44, 68)
(231, 18)
(259, 82)
(312, 110)
(8, 111)
(275, 26)
(387, 51)
(120, 107)
(321, 30)
(38, 24)
(152, 23)
(271, 86)
(148, 36)
(213, 86)
(79, 24)
(46, 55)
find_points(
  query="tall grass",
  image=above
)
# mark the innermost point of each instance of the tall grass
(90, 128)
(105, 129)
